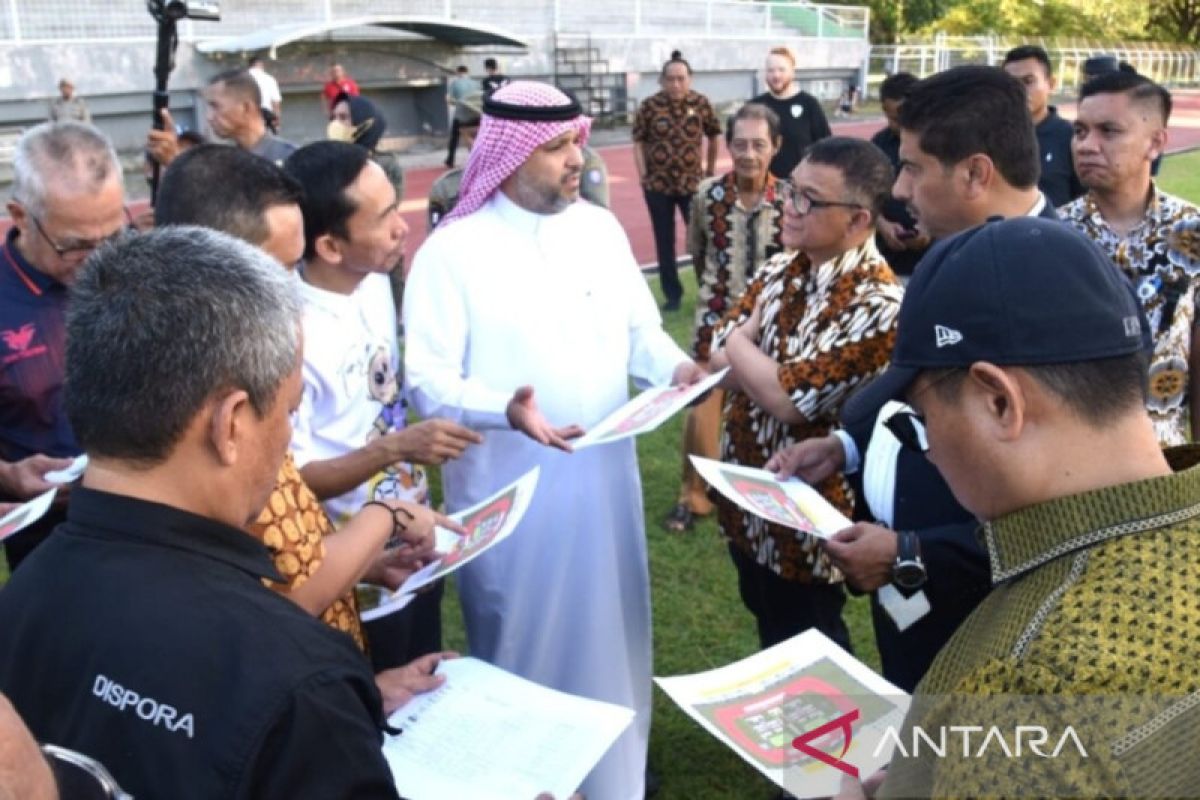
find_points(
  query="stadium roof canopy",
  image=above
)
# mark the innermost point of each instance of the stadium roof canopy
(460, 33)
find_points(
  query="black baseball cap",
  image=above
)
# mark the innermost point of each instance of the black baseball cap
(1025, 291)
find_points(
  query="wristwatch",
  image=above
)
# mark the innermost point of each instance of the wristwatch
(909, 570)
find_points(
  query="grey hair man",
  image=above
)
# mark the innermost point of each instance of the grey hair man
(181, 668)
(67, 197)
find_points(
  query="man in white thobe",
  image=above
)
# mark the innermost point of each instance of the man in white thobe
(526, 315)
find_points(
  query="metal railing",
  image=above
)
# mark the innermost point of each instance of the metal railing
(58, 21)
(1172, 65)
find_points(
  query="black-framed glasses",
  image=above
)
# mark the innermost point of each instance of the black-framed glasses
(80, 248)
(909, 429)
(802, 204)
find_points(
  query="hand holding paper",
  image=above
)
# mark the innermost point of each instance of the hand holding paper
(789, 503)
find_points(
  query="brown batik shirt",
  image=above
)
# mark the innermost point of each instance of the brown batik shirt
(831, 328)
(671, 134)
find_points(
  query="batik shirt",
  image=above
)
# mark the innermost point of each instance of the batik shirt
(671, 133)
(831, 328)
(728, 242)
(293, 527)
(1161, 256)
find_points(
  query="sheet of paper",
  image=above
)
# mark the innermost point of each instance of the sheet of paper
(488, 523)
(791, 503)
(806, 689)
(26, 514)
(645, 412)
(489, 735)
(71, 473)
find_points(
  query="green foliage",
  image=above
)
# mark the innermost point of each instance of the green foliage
(1107, 19)
(1175, 20)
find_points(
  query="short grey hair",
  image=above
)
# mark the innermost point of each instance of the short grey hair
(72, 154)
(158, 324)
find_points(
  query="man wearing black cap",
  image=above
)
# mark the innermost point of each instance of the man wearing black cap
(1035, 416)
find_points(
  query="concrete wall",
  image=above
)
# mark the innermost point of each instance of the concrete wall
(406, 77)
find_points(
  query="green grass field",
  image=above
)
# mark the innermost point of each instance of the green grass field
(699, 621)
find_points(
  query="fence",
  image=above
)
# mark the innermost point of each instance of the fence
(57, 21)
(1172, 65)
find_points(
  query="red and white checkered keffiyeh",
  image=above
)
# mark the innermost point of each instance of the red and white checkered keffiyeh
(503, 145)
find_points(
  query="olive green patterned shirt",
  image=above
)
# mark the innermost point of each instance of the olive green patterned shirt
(1093, 624)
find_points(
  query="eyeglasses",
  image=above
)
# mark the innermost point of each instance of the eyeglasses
(802, 204)
(81, 248)
(909, 429)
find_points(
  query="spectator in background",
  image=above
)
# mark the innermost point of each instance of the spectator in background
(818, 321)
(669, 132)
(68, 197)
(270, 98)
(801, 119)
(494, 78)
(735, 227)
(234, 112)
(847, 100)
(461, 113)
(68, 106)
(339, 83)
(1031, 66)
(898, 240)
(1154, 238)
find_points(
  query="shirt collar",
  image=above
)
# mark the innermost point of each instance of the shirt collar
(765, 198)
(29, 276)
(1038, 207)
(127, 518)
(524, 220)
(1155, 213)
(1024, 540)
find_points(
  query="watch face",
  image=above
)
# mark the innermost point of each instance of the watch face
(909, 574)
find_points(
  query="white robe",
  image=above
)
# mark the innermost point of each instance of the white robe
(506, 298)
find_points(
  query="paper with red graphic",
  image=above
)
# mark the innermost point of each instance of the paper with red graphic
(488, 523)
(791, 503)
(646, 412)
(26, 514)
(804, 713)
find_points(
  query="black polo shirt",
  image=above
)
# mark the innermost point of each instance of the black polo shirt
(801, 122)
(143, 636)
(1058, 180)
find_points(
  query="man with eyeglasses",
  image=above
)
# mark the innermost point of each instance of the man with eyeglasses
(735, 225)
(67, 198)
(818, 321)
(968, 152)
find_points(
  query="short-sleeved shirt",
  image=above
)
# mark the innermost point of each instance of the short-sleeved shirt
(459, 89)
(801, 122)
(728, 242)
(491, 83)
(831, 328)
(672, 133)
(1161, 256)
(75, 110)
(273, 149)
(352, 390)
(1058, 180)
(293, 526)
(32, 360)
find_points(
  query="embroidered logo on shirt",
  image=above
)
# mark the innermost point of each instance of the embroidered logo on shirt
(1132, 327)
(147, 709)
(946, 337)
(1049, 157)
(797, 111)
(19, 342)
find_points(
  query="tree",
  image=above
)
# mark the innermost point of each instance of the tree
(1176, 20)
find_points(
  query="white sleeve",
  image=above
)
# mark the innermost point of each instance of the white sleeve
(437, 335)
(303, 446)
(653, 354)
(853, 458)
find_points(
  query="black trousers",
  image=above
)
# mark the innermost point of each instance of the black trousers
(662, 219)
(413, 631)
(785, 608)
(453, 147)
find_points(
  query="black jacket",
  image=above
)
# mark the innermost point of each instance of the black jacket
(143, 636)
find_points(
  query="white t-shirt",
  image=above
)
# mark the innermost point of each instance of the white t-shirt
(352, 388)
(268, 88)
